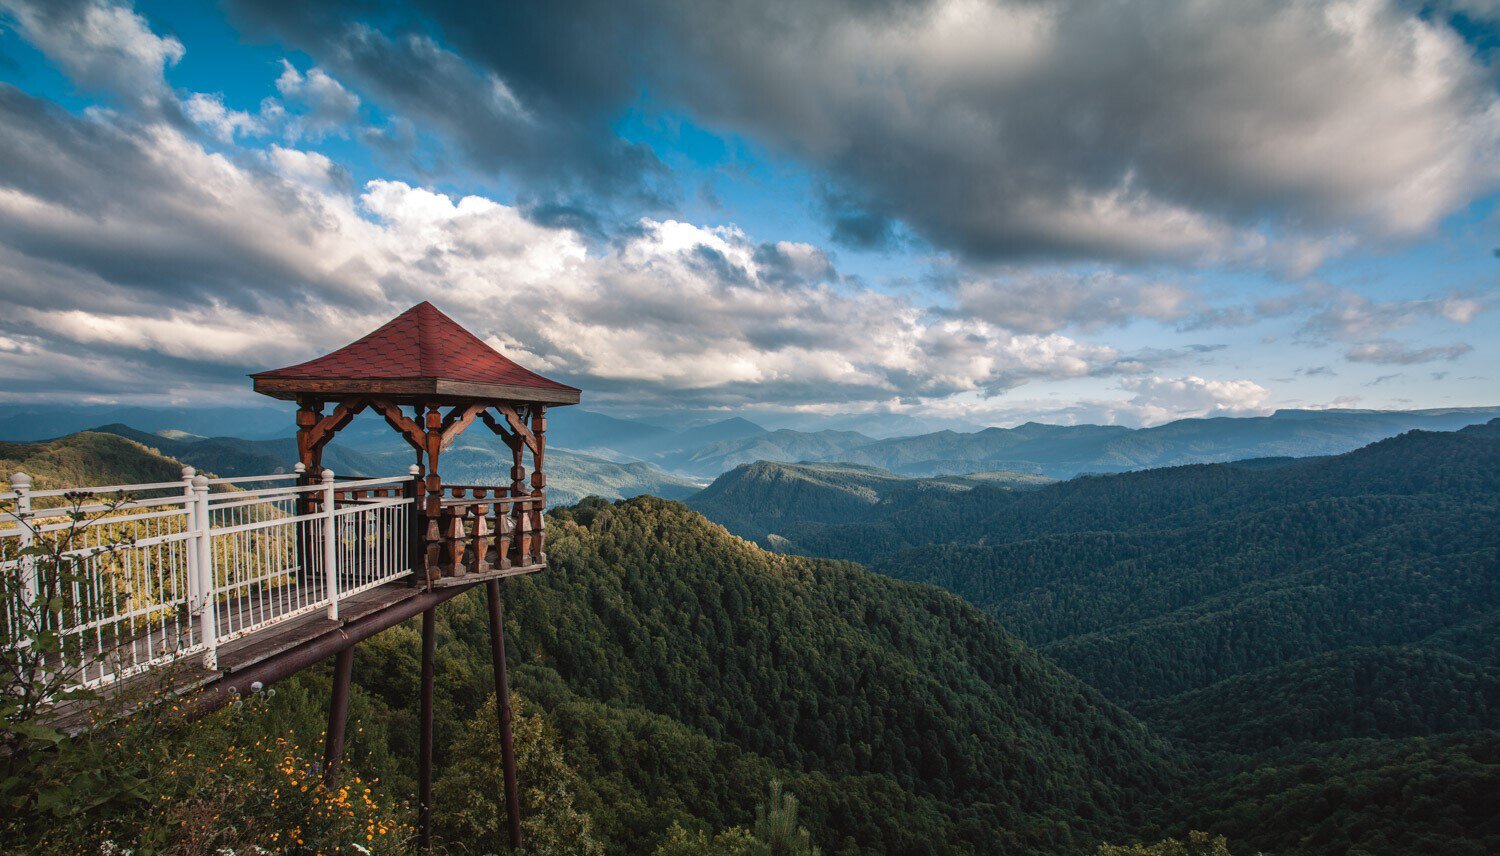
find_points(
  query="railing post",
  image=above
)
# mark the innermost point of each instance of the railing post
(20, 483)
(208, 613)
(330, 546)
(416, 551)
(190, 508)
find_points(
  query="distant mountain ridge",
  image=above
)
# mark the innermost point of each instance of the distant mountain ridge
(704, 451)
(756, 500)
(1063, 451)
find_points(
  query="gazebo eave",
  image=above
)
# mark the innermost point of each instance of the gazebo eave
(410, 390)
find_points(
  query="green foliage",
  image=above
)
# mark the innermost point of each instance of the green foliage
(235, 781)
(1262, 616)
(1197, 844)
(731, 842)
(681, 668)
(776, 824)
(1356, 692)
(552, 825)
(1413, 795)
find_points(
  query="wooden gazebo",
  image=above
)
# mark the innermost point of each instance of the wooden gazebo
(430, 379)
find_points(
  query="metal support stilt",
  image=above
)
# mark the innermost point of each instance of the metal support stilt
(424, 758)
(502, 709)
(338, 715)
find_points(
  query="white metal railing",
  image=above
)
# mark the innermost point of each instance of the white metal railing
(170, 569)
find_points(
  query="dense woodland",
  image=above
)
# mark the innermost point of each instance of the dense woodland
(1296, 655)
(1319, 636)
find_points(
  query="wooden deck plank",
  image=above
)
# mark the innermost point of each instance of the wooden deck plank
(486, 576)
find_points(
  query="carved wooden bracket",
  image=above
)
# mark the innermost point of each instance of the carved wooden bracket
(457, 420)
(495, 426)
(518, 425)
(320, 432)
(405, 426)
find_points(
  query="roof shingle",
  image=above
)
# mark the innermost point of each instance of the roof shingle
(420, 343)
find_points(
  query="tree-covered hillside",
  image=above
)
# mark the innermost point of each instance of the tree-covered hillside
(1319, 635)
(759, 500)
(823, 666)
(87, 458)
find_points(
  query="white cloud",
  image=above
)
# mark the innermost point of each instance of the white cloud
(209, 112)
(197, 264)
(328, 108)
(101, 45)
(1159, 399)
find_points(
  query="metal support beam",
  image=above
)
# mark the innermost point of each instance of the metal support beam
(502, 709)
(424, 758)
(338, 715)
(242, 682)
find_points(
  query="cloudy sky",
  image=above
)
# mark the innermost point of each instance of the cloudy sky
(978, 211)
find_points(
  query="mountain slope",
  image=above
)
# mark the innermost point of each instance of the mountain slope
(782, 445)
(823, 666)
(1154, 583)
(759, 500)
(86, 458)
(1357, 692)
(232, 456)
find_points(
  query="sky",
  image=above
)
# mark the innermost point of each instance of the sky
(948, 212)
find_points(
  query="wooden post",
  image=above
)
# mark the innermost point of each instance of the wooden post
(502, 709)
(433, 439)
(338, 715)
(539, 483)
(424, 757)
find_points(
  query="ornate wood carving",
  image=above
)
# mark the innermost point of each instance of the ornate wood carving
(458, 420)
(407, 428)
(495, 426)
(518, 425)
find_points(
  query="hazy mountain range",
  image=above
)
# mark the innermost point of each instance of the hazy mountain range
(682, 457)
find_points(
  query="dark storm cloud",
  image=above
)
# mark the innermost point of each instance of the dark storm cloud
(1064, 128)
(556, 151)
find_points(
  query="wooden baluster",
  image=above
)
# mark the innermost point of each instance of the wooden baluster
(455, 534)
(481, 533)
(523, 533)
(505, 527)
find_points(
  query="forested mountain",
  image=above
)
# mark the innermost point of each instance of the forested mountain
(757, 500)
(782, 445)
(1309, 647)
(1320, 634)
(682, 667)
(705, 451)
(25, 423)
(1157, 582)
(87, 458)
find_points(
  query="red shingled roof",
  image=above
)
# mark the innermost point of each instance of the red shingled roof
(420, 343)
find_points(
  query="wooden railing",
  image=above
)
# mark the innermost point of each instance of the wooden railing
(482, 529)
